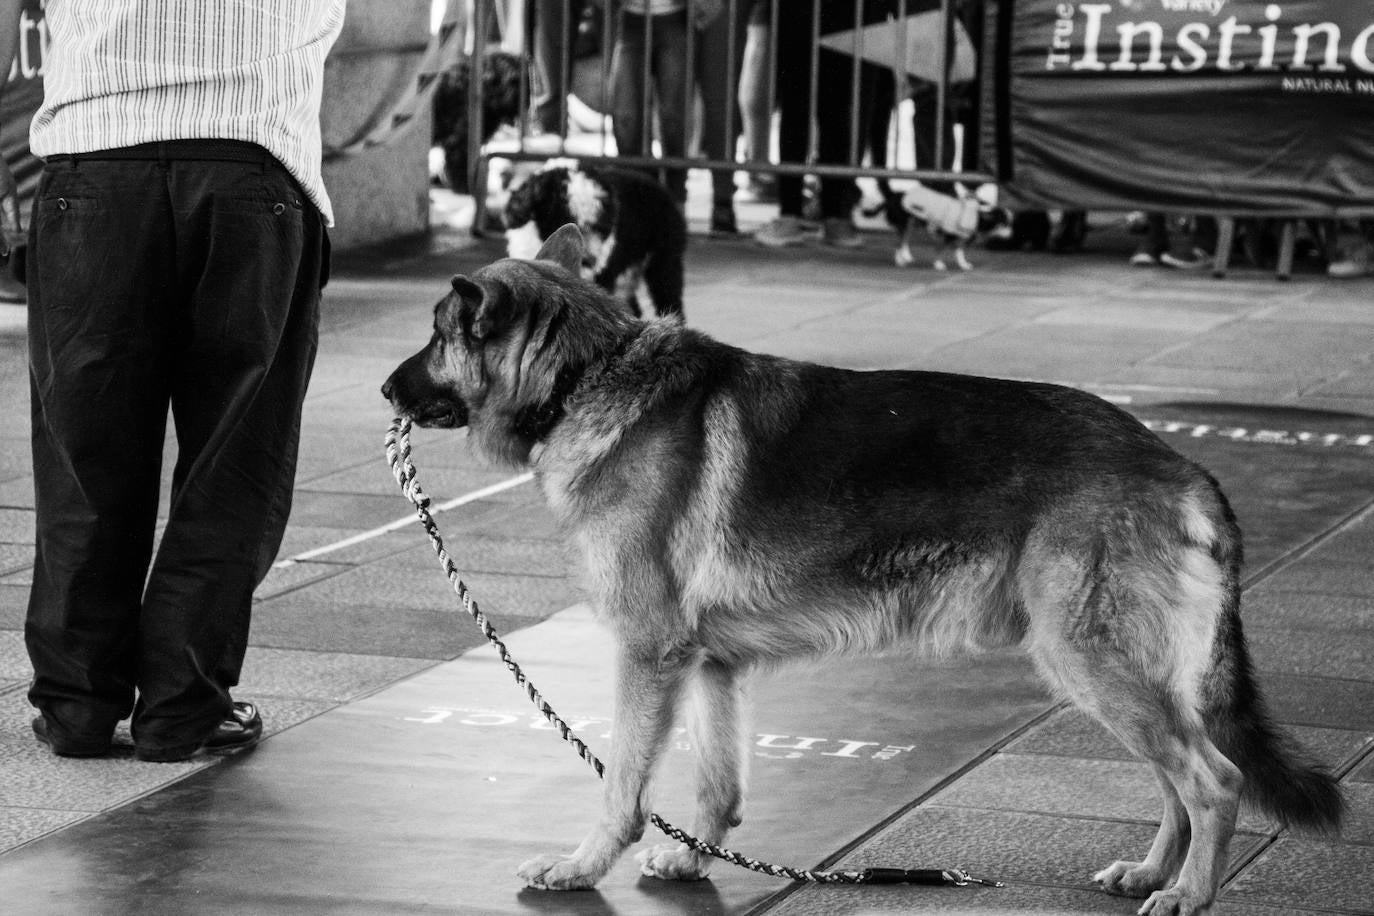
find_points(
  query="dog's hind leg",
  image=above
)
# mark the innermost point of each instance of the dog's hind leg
(647, 690)
(620, 276)
(1166, 855)
(1129, 643)
(664, 278)
(904, 256)
(721, 757)
(1201, 787)
(1208, 787)
(941, 245)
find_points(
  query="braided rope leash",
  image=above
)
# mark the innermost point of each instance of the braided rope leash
(398, 456)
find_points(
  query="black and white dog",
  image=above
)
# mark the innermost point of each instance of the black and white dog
(633, 227)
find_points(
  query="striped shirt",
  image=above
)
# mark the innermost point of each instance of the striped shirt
(124, 72)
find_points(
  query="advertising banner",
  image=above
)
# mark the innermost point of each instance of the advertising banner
(19, 100)
(1246, 107)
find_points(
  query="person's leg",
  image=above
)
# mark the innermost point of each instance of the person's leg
(835, 116)
(924, 127)
(1155, 243)
(755, 111)
(554, 28)
(98, 323)
(719, 60)
(627, 86)
(251, 253)
(793, 85)
(794, 101)
(672, 81)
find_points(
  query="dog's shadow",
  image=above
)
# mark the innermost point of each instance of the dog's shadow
(698, 898)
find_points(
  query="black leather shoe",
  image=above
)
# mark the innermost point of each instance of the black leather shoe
(239, 732)
(68, 747)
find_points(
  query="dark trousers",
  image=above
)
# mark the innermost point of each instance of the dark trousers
(182, 283)
(834, 102)
(553, 38)
(649, 75)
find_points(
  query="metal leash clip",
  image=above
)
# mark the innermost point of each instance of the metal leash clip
(960, 878)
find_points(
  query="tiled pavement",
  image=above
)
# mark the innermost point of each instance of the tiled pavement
(1042, 801)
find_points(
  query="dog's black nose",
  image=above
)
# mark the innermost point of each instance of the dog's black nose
(388, 386)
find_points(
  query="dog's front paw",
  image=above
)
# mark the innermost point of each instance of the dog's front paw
(903, 256)
(1176, 901)
(673, 862)
(1130, 879)
(556, 873)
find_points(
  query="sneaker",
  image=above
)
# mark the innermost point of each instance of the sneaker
(723, 224)
(762, 189)
(1356, 261)
(1194, 260)
(782, 232)
(840, 232)
(12, 292)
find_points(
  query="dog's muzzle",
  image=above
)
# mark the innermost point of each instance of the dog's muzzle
(413, 395)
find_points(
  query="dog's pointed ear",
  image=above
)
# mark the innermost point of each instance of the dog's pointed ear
(565, 248)
(480, 314)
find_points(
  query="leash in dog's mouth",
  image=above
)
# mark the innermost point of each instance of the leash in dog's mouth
(398, 457)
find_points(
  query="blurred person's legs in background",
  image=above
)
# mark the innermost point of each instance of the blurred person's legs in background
(719, 61)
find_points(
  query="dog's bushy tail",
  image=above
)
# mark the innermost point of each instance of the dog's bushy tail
(1282, 780)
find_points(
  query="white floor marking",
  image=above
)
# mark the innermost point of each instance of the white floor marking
(1261, 436)
(474, 496)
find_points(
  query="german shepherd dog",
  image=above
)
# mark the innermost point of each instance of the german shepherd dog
(736, 510)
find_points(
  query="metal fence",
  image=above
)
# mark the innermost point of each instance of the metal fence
(924, 45)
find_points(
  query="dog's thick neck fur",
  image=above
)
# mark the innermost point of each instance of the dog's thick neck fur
(535, 422)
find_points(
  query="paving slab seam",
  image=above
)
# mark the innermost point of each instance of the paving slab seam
(829, 861)
(88, 815)
(1238, 868)
(331, 471)
(1297, 554)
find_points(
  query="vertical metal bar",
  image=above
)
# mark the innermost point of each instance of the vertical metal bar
(899, 81)
(564, 77)
(522, 122)
(646, 125)
(689, 78)
(731, 83)
(608, 22)
(767, 154)
(477, 166)
(942, 85)
(855, 66)
(814, 78)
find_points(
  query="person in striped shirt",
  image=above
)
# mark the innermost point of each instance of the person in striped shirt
(177, 250)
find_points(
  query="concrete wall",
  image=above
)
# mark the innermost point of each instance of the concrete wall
(382, 193)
